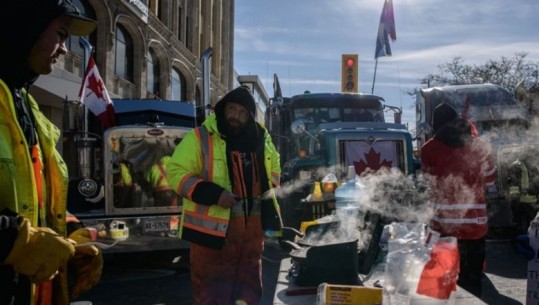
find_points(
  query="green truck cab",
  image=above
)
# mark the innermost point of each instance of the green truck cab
(321, 133)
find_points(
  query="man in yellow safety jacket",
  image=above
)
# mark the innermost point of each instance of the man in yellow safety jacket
(36, 257)
(224, 170)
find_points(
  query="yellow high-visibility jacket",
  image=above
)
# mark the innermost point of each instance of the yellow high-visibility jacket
(201, 156)
(521, 188)
(18, 189)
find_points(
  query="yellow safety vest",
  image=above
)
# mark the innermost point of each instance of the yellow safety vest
(156, 176)
(18, 187)
(521, 190)
(201, 156)
(125, 175)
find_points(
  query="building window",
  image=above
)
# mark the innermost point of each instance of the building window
(153, 73)
(124, 54)
(188, 37)
(153, 6)
(72, 42)
(160, 13)
(178, 85)
(180, 18)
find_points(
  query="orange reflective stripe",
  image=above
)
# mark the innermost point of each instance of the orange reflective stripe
(187, 185)
(204, 230)
(276, 179)
(43, 293)
(202, 222)
(38, 167)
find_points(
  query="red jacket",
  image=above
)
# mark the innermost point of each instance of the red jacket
(460, 175)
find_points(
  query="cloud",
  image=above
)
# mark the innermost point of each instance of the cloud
(302, 42)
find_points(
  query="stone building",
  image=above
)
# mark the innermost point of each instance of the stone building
(146, 49)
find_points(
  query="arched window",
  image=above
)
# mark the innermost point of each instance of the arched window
(124, 54)
(178, 86)
(153, 73)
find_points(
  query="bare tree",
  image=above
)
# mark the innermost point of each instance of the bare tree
(516, 73)
(508, 72)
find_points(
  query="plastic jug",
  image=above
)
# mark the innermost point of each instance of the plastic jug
(347, 195)
(329, 184)
(119, 230)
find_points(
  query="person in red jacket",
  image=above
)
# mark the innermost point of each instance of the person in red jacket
(460, 166)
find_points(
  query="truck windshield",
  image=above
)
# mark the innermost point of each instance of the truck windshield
(327, 109)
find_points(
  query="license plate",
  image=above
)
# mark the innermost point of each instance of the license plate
(156, 225)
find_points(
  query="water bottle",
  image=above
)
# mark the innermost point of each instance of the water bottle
(347, 195)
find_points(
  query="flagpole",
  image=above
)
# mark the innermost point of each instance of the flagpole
(88, 49)
(374, 78)
(85, 158)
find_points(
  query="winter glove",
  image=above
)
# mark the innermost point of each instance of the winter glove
(39, 253)
(87, 264)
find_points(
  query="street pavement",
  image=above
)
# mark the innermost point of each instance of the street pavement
(506, 271)
(155, 280)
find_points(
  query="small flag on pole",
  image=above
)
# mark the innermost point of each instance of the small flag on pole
(386, 30)
(95, 97)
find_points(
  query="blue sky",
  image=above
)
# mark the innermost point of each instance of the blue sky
(302, 41)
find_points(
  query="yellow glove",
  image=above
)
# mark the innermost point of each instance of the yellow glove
(87, 264)
(39, 253)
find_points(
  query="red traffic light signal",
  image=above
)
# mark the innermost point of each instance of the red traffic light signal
(349, 74)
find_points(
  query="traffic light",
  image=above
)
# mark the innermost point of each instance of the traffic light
(349, 66)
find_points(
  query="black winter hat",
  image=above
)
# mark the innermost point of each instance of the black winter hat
(443, 114)
(38, 13)
(241, 95)
(22, 22)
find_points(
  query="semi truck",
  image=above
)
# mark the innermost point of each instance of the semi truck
(117, 179)
(503, 122)
(318, 134)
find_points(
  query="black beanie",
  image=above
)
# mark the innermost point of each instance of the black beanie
(443, 114)
(241, 95)
(22, 22)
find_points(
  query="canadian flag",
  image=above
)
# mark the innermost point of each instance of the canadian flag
(94, 95)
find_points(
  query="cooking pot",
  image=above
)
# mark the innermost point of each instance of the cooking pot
(321, 227)
(321, 255)
(334, 263)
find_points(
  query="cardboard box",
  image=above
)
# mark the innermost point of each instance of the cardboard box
(329, 294)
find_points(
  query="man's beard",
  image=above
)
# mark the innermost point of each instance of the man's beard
(234, 125)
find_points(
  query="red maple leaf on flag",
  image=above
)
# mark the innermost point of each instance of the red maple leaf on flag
(99, 103)
(373, 162)
(96, 86)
